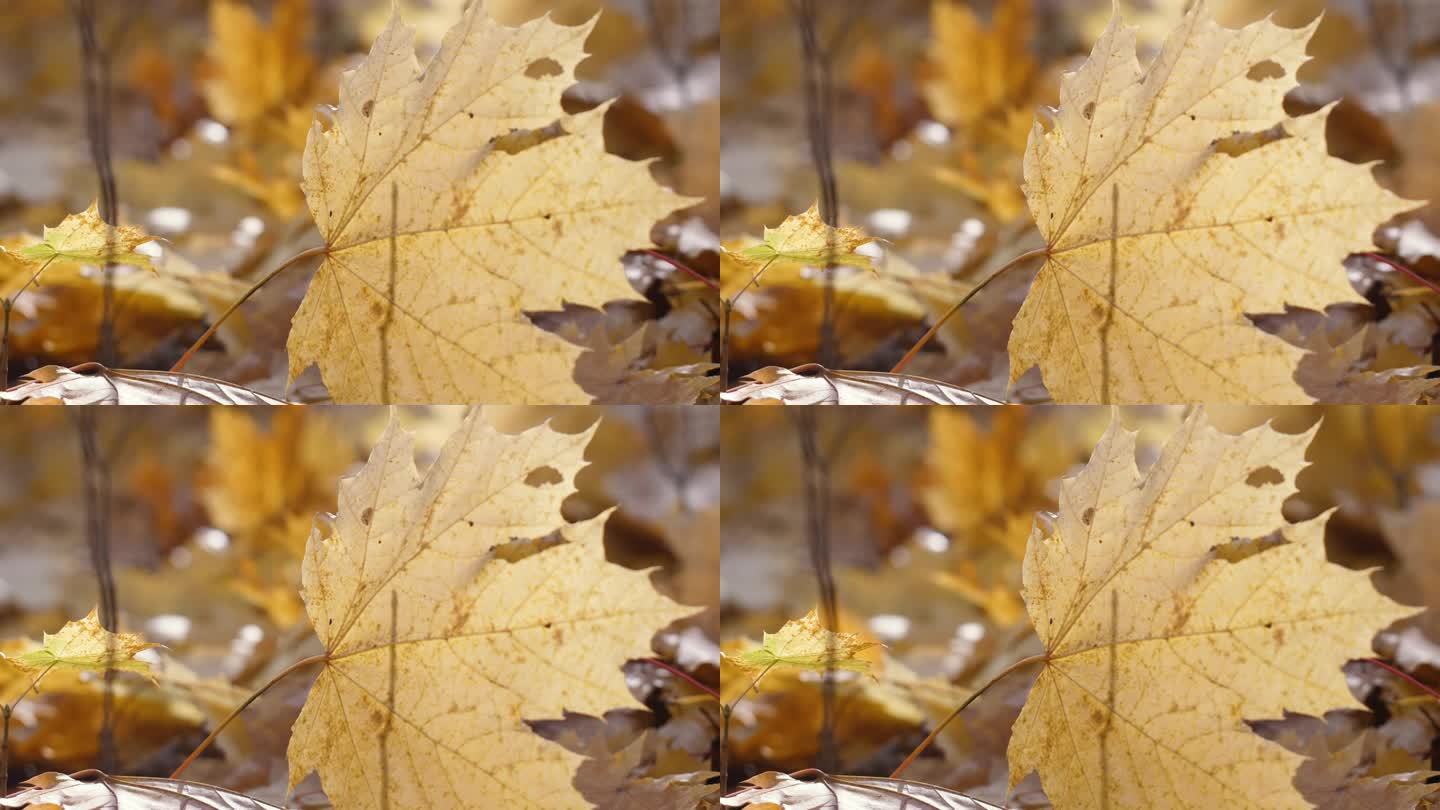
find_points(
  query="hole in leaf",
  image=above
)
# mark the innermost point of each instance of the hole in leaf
(1269, 69)
(543, 67)
(1264, 476)
(543, 476)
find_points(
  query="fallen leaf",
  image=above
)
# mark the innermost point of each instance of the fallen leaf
(1162, 635)
(1343, 374)
(1341, 774)
(610, 782)
(99, 791)
(804, 644)
(828, 792)
(489, 188)
(431, 590)
(94, 384)
(85, 646)
(1222, 205)
(812, 384)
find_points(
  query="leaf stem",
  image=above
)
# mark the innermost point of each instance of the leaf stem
(1023, 662)
(683, 675)
(727, 709)
(9, 304)
(924, 339)
(679, 265)
(200, 749)
(1407, 677)
(1394, 265)
(5, 712)
(302, 255)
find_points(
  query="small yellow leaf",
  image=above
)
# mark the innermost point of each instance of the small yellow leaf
(85, 645)
(84, 237)
(803, 644)
(802, 240)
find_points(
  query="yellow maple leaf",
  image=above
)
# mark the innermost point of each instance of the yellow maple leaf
(502, 204)
(1163, 636)
(804, 644)
(985, 85)
(84, 645)
(981, 73)
(85, 237)
(442, 635)
(258, 482)
(259, 72)
(1167, 218)
(801, 241)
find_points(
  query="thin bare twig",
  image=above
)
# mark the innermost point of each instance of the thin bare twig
(819, 87)
(95, 59)
(95, 472)
(817, 514)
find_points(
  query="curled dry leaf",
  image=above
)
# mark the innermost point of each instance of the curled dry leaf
(93, 790)
(94, 384)
(446, 625)
(1163, 634)
(826, 792)
(499, 204)
(1342, 375)
(812, 384)
(1175, 199)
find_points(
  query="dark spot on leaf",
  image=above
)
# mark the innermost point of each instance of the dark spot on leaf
(1264, 476)
(367, 108)
(366, 516)
(1089, 111)
(543, 67)
(1269, 69)
(1088, 516)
